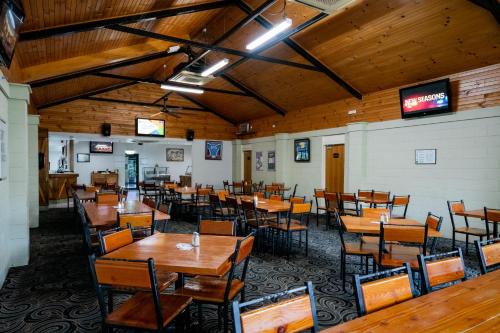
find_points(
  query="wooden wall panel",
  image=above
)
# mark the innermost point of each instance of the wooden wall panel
(83, 116)
(475, 89)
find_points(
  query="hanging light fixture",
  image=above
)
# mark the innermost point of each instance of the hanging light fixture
(182, 89)
(277, 29)
(215, 67)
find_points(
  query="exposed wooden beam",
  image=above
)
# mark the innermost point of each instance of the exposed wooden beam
(120, 101)
(97, 69)
(126, 19)
(206, 107)
(493, 6)
(304, 53)
(254, 94)
(87, 94)
(153, 81)
(214, 48)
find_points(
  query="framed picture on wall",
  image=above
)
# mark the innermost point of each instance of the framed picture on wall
(302, 150)
(213, 150)
(98, 147)
(271, 160)
(259, 161)
(425, 156)
(175, 155)
(82, 158)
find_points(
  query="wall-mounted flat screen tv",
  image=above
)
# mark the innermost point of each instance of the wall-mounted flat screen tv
(11, 21)
(150, 127)
(425, 99)
(98, 147)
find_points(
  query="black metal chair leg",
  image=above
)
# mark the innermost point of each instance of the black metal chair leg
(110, 301)
(219, 316)
(307, 243)
(226, 318)
(466, 244)
(200, 318)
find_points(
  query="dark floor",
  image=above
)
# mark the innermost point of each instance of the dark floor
(54, 294)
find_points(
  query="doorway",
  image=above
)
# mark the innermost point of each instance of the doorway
(334, 159)
(131, 171)
(247, 165)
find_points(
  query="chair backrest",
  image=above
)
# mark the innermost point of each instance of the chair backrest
(223, 194)
(276, 197)
(456, 207)
(165, 208)
(115, 240)
(214, 227)
(348, 197)
(365, 193)
(210, 187)
(106, 198)
(240, 255)
(492, 215)
(433, 221)
(136, 220)
(297, 200)
(319, 193)
(439, 269)
(379, 195)
(289, 315)
(90, 188)
(383, 289)
(400, 200)
(332, 200)
(374, 212)
(259, 195)
(87, 238)
(489, 254)
(272, 189)
(232, 202)
(404, 235)
(202, 194)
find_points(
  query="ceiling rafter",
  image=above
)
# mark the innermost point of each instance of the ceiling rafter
(493, 6)
(126, 19)
(173, 39)
(146, 104)
(206, 107)
(97, 69)
(304, 53)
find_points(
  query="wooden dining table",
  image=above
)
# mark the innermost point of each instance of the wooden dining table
(185, 190)
(370, 225)
(374, 201)
(470, 306)
(84, 195)
(478, 214)
(103, 216)
(211, 258)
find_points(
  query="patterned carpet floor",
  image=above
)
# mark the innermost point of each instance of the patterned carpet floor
(54, 293)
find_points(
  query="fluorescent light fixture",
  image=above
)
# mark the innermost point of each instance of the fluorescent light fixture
(270, 34)
(130, 152)
(215, 67)
(183, 89)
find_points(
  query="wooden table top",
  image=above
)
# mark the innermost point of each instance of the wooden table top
(85, 195)
(105, 215)
(476, 213)
(212, 257)
(185, 190)
(269, 206)
(471, 306)
(374, 201)
(370, 225)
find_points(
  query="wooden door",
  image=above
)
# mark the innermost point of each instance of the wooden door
(247, 165)
(43, 166)
(334, 159)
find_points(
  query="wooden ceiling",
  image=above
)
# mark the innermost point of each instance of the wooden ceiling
(371, 45)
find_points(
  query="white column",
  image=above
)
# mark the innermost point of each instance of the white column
(237, 160)
(284, 158)
(33, 202)
(355, 156)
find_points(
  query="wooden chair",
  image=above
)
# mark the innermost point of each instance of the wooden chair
(400, 244)
(167, 209)
(489, 254)
(297, 221)
(142, 224)
(399, 201)
(202, 201)
(320, 206)
(238, 188)
(70, 192)
(276, 197)
(233, 207)
(106, 198)
(290, 315)
(216, 206)
(122, 194)
(225, 183)
(349, 204)
(223, 194)
(259, 195)
(374, 212)
(145, 310)
(383, 289)
(492, 216)
(438, 269)
(379, 195)
(221, 291)
(332, 201)
(254, 220)
(89, 246)
(459, 207)
(365, 194)
(434, 222)
(297, 199)
(114, 241)
(272, 189)
(356, 248)
(216, 227)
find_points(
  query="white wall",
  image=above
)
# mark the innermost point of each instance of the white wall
(4, 192)
(33, 183)
(382, 156)
(212, 172)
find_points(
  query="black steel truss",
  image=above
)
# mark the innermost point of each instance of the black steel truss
(161, 106)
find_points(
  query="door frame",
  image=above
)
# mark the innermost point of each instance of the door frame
(244, 162)
(136, 171)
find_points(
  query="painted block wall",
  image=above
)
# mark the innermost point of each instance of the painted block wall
(212, 172)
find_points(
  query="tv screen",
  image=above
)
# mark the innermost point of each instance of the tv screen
(11, 20)
(149, 127)
(425, 99)
(97, 147)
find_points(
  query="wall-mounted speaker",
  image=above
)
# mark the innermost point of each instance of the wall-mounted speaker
(106, 129)
(190, 134)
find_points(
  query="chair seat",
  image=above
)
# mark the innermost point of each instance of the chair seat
(139, 311)
(398, 255)
(253, 223)
(361, 248)
(294, 226)
(471, 231)
(209, 289)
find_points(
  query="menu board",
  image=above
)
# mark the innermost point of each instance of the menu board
(425, 156)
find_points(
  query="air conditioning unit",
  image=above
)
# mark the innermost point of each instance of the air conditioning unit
(188, 77)
(326, 6)
(244, 128)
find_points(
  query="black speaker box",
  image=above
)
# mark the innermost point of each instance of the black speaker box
(106, 129)
(190, 135)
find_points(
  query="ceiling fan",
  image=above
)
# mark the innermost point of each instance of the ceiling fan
(172, 111)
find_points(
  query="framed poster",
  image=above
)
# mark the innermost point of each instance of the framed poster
(175, 154)
(302, 150)
(259, 163)
(3, 150)
(213, 150)
(97, 147)
(271, 160)
(425, 156)
(83, 158)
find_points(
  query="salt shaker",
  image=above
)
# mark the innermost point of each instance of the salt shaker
(196, 239)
